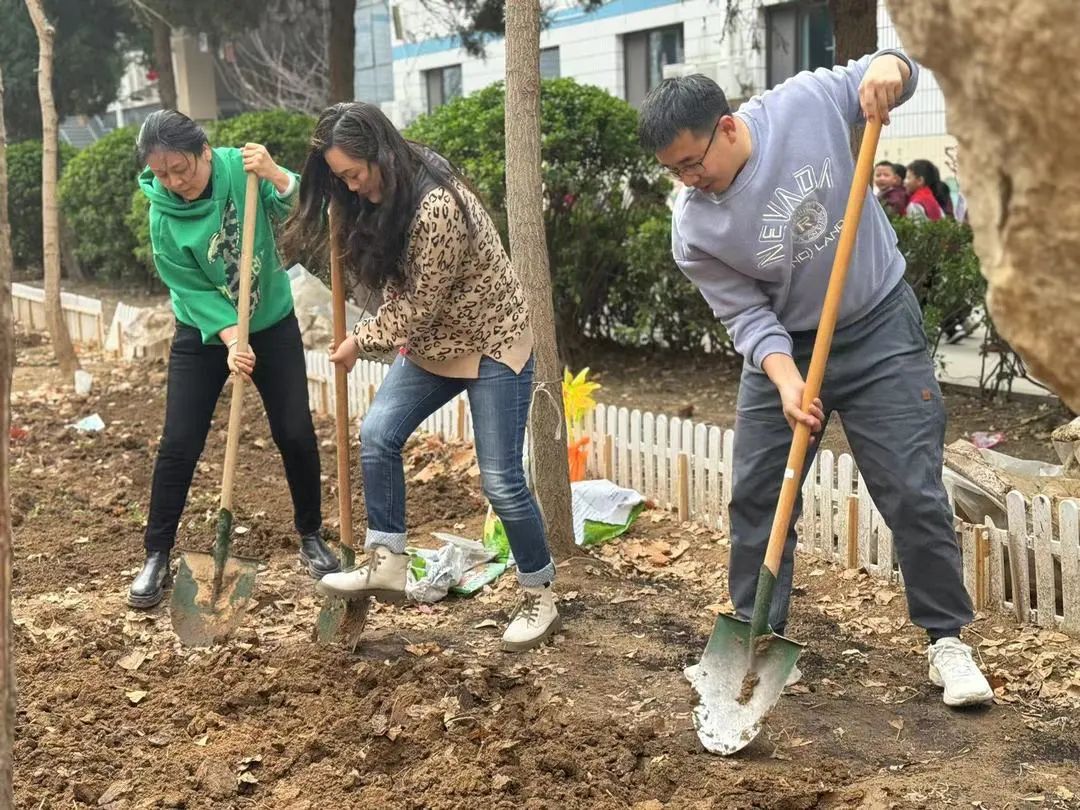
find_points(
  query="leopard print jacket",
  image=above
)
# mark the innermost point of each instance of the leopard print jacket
(460, 297)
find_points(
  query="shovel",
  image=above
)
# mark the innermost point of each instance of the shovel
(745, 665)
(212, 591)
(341, 621)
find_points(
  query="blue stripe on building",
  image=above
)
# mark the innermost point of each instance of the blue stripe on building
(560, 19)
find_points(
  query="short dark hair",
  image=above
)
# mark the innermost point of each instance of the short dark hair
(900, 169)
(169, 131)
(681, 103)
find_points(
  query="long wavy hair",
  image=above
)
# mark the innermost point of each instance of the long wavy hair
(374, 236)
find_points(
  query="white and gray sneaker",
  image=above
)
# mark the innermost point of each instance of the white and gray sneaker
(535, 621)
(953, 668)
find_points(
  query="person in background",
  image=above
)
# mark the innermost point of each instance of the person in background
(929, 197)
(889, 188)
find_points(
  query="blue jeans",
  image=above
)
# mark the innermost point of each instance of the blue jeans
(499, 400)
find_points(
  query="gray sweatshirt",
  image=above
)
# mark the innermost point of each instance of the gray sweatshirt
(762, 250)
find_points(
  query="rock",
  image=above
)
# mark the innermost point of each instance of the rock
(86, 792)
(1015, 155)
(215, 779)
(114, 792)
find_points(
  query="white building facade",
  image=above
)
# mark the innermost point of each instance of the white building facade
(405, 61)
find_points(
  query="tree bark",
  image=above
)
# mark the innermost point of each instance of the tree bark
(166, 81)
(7, 361)
(50, 214)
(528, 248)
(854, 36)
(341, 51)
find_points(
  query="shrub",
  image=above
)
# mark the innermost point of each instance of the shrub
(943, 270)
(24, 199)
(657, 300)
(598, 187)
(95, 192)
(284, 134)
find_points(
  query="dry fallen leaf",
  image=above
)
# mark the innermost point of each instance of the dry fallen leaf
(132, 661)
(485, 623)
(884, 596)
(422, 649)
(136, 696)
(201, 741)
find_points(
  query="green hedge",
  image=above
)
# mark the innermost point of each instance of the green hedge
(598, 188)
(942, 269)
(284, 134)
(24, 199)
(95, 191)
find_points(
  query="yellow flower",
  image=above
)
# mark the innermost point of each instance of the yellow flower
(577, 397)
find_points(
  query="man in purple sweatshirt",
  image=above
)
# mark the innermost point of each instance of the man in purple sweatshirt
(755, 229)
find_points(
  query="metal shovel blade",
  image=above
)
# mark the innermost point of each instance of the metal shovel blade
(341, 622)
(737, 685)
(211, 591)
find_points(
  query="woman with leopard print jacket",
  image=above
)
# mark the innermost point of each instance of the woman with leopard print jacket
(455, 311)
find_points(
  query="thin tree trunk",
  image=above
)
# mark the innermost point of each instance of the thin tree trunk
(50, 215)
(7, 361)
(855, 35)
(166, 80)
(528, 247)
(341, 51)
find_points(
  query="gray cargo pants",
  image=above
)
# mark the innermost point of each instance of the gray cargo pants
(880, 379)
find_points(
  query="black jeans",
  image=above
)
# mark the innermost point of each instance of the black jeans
(197, 373)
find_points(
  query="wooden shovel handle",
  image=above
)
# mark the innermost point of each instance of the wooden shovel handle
(341, 387)
(789, 490)
(243, 307)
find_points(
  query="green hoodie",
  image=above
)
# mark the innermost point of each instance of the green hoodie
(197, 249)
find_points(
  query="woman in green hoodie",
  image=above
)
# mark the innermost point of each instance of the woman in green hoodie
(196, 209)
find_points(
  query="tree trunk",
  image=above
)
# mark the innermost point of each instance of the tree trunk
(854, 35)
(166, 80)
(50, 215)
(528, 248)
(7, 361)
(341, 50)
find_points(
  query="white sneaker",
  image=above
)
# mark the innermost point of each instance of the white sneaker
(952, 667)
(534, 621)
(383, 577)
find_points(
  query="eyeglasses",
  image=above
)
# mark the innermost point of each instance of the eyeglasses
(698, 166)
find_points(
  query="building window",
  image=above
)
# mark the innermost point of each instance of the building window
(443, 85)
(373, 55)
(645, 53)
(549, 63)
(800, 37)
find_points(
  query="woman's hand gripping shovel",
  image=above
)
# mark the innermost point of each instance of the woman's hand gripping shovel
(211, 592)
(745, 665)
(341, 621)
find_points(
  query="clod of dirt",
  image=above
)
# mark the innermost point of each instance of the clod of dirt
(747, 690)
(215, 779)
(761, 645)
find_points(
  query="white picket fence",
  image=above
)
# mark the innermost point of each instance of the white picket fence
(83, 315)
(686, 467)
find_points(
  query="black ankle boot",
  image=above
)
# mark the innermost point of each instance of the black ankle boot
(317, 557)
(149, 586)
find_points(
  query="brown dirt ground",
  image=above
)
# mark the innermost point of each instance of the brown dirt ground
(428, 713)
